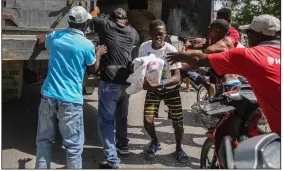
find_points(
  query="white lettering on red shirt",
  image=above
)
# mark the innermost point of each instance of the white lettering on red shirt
(272, 60)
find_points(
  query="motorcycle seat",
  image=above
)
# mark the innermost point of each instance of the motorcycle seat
(249, 96)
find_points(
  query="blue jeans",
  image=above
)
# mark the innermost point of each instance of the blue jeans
(193, 76)
(113, 106)
(71, 126)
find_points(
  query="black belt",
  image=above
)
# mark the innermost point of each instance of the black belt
(116, 66)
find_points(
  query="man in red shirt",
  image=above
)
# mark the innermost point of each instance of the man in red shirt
(226, 14)
(260, 64)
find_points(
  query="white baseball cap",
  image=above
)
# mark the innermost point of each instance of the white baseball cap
(265, 24)
(79, 14)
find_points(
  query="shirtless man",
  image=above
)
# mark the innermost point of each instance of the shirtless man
(263, 56)
(225, 14)
(219, 42)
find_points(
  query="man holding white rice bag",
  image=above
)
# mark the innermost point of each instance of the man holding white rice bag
(167, 89)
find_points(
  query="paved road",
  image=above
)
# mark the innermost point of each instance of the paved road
(19, 123)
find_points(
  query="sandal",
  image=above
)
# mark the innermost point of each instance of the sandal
(153, 149)
(182, 157)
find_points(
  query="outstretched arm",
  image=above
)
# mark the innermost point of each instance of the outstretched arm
(193, 60)
(229, 62)
(195, 43)
(98, 20)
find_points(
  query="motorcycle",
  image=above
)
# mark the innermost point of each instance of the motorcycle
(234, 113)
(202, 95)
(260, 152)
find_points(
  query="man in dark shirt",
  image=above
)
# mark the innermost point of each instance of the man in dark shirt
(119, 38)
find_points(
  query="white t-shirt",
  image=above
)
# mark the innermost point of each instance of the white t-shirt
(146, 49)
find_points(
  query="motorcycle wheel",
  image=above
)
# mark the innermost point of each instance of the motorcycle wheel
(196, 87)
(202, 94)
(205, 161)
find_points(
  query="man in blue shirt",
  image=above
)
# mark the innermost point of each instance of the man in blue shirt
(70, 53)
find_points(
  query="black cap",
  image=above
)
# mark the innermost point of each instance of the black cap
(119, 13)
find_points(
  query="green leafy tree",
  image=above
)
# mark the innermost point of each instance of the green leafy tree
(245, 10)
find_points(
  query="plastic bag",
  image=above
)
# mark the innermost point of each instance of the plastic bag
(149, 67)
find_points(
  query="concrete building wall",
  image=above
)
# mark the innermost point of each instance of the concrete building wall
(187, 18)
(155, 6)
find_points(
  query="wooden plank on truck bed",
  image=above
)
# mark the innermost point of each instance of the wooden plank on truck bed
(27, 29)
(19, 42)
(7, 37)
(19, 37)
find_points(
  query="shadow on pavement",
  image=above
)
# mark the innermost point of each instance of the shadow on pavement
(166, 138)
(19, 126)
(23, 162)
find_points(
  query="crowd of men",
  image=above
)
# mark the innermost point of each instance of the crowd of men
(71, 53)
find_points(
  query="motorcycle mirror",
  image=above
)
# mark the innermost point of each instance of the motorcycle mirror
(260, 152)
